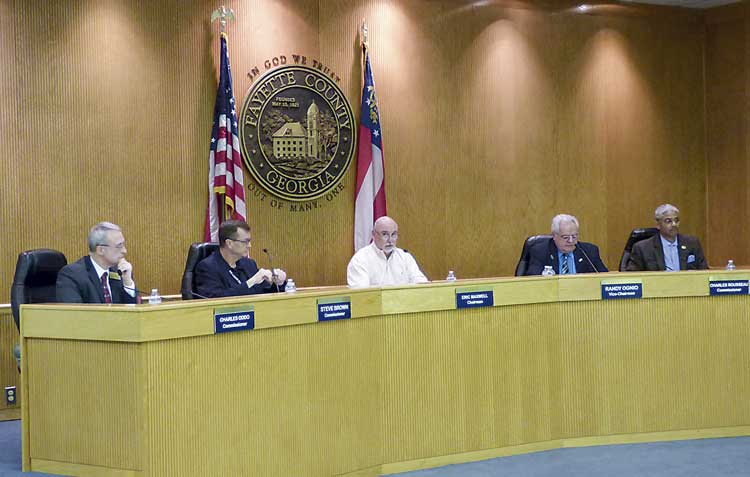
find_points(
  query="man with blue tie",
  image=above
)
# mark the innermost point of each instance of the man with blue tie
(669, 250)
(563, 252)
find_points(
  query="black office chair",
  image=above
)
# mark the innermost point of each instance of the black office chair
(197, 252)
(34, 281)
(635, 236)
(523, 262)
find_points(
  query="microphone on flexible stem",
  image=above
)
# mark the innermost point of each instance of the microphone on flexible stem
(199, 295)
(273, 272)
(138, 293)
(588, 259)
(406, 250)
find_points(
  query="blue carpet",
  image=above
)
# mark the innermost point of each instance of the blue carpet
(728, 457)
(10, 450)
(703, 457)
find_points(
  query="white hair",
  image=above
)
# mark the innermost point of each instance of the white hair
(665, 209)
(98, 234)
(559, 219)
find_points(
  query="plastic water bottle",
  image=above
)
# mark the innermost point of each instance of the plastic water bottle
(451, 276)
(548, 271)
(290, 286)
(731, 265)
(154, 298)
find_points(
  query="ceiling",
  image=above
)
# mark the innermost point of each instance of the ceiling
(685, 3)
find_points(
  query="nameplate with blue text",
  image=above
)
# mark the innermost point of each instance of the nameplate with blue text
(728, 287)
(338, 308)
(474, 297)
(234, 319)
(620, 289)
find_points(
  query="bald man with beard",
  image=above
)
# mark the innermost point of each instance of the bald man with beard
(382, 263)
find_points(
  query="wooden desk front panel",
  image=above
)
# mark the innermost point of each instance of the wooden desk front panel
(322, 399)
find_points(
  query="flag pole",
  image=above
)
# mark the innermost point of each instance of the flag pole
(221, 14)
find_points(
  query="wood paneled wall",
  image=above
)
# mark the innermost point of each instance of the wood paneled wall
(727, 131)
(495, 117)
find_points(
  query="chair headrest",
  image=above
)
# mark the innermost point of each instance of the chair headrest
(200, 250)
(39, 267)
(536, 238)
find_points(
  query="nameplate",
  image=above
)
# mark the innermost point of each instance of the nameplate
(468, 298)
(617, 290)
(234, 319)
(728, 287)
(339, 308)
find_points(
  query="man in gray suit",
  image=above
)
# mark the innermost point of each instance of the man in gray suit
(668, 250)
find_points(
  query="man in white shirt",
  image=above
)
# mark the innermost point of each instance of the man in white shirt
(382, 263)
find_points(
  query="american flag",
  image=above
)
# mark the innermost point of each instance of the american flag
(226, 190)
(369, 203)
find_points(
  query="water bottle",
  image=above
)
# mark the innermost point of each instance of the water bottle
(290, 286)
(451, 276)
(548, 271)
(154, 298)
(731, 265)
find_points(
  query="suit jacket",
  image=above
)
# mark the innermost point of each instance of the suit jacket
(545, 253)
(78, 283)
(214, 278)
(648, 255)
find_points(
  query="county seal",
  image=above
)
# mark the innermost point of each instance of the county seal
(297, 132)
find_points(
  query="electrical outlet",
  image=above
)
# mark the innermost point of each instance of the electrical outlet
(10, 395)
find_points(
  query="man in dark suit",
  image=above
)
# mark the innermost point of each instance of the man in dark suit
(563, 252)
(230, 272)
(104, 276)
(668, 250)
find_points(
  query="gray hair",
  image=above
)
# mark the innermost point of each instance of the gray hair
(98, 234)
(559, 219)
(665, 209)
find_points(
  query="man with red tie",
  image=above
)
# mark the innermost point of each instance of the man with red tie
(104, 276)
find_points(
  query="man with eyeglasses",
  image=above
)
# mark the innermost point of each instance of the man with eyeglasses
(230, 271)
(669, 250)
(104, 276)
(382, 263)
(563, 252)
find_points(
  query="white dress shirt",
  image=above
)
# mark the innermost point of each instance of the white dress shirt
(99, 271)
(369, 267)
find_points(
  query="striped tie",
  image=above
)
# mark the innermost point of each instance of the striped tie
(105, 289)
(564, 267)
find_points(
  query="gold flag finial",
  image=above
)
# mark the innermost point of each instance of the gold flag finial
(363, 35)
(222, 13)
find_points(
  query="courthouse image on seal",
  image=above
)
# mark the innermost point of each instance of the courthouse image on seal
(297, 133)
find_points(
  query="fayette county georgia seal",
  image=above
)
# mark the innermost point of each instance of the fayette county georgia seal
(296, 132)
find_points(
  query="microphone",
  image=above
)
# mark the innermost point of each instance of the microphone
(199, 295)
(406, 250)
(273, 272)
(138, 293)
(587, 258)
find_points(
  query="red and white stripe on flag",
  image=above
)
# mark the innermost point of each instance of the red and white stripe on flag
(369, 202)
(226, 189)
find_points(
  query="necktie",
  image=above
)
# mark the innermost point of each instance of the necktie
(105, 289)
(564, 267)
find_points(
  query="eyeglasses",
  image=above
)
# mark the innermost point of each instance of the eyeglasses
(385, 235)
(671, 221)
(569, 238)
(119, 246)
(246, 241)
